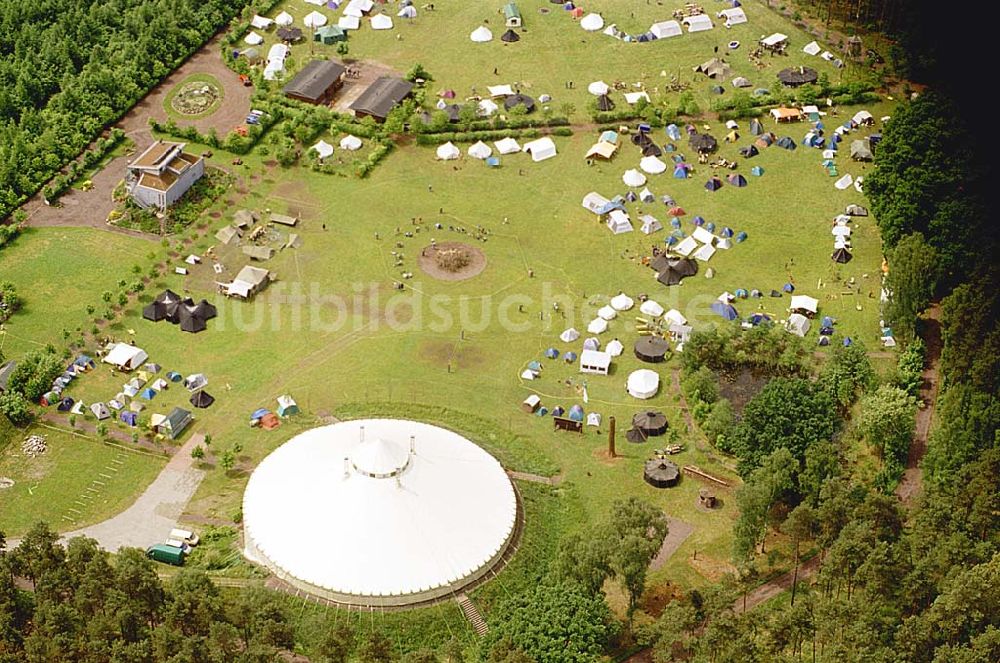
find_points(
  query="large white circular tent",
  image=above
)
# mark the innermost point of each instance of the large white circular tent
(379, 512)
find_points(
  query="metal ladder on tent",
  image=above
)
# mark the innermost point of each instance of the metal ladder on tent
(471, 613)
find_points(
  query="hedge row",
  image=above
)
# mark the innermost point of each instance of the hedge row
(496, 123)
(233, 142)
(75, 169)
(473, 136)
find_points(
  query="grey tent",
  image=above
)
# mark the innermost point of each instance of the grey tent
(714, 68)
(856, 210)
(749, 151)
(787, 143)
(201, 399)
(661, 473)
(755, 127)
(740, 81)
(670, 271)
(604, 103)
(651, 349)
(861, 151)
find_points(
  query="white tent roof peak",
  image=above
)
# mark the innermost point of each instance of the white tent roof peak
(481, 35)
(592, 22)
(323, 149)
(448, 151)
(633, 178)
(380, 458)
(350, 143)
(622, 302)
(598, 88)
(314, 20)
(480, 150)
(284, 18)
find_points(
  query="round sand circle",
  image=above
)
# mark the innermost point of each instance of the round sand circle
(466, 261)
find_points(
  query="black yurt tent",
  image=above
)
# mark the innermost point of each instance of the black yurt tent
(661, 473)
(651, 349)
(650, 422)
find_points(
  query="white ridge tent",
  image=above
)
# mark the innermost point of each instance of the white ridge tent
(594, 202)
(487, 107)
(607, 312)
(253, 39)
(618, 222)
(260, 22)
(642, 384)
(698, 23)
(350, 143)
(733, 16)
(381, 22)
(674, 316)
(633, 178)
(597, 326)
(594, 419)
(650, 307)
(773, 40)
(686, 246)
(592, 22)
(358, 8)
(409, 11)
(665, 29)
(652, 165)
(448, 151)
(615, 348)
(284, 18)
(481, 35)
(844, 182)
(597, 88)
(323, 149)
(479, 150)
(595, 361)
(702, 235)
(798, 324)
(314, 20)
(125, 356)
(569, 335)
(507, 146)
(812, 48)
(500, 90)
(650, 225)
(634, 97)
(349, 22)
(622, 302)
(705, 253)
(863, 117)
(540, 149)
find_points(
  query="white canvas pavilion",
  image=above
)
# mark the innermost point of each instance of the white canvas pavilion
(705, 253)
(665, 29)
(350, 143)
(615, 348)
(358, 8)
(773, 40)
(569, 335)
(284, 18)
(592, 22)
(633, 178)
(597, 326)
(260, 22)
(540, 149)
(348, 22)
(698, 23)
(391, 484)
(381, 22)
(686, 246)
(314, 20)
(323, 149)
(812, 48)
(487, 107)
(650, 307)
(597, 88)
(481, 35)
(507, 146)
(479, 150)
(594, 202)
(125, 356)
(642, 384)
(595, 361)
(702, 235)
(253, 39)
(674, 316)
(448, 151)
(607, 312)
(804, 303)
(652, 165)
(500, 90)
(622, 302)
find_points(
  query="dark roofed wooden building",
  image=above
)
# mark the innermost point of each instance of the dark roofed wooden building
(317, 83)
(381, 97)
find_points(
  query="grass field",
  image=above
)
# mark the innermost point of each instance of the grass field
(334, 333)
(49, 487)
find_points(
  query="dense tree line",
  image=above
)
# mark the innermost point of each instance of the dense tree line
(70, 67)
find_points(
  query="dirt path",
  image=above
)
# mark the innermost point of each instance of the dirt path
(152, 516)
(91, 208)
(536, 478)
(675, 377)
(781, 584)
(677, 532)
(910, 485)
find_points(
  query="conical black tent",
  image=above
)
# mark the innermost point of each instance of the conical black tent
(201, 399)
(841, 255)
(635, 436)
(604, 103)
(661, 473)
(289, 34)
(510, 36)
(162, 307)
(795, 76)
(651, 349)
(704, 142)
(190, 321)
(651, 150)
(650, 422)
(670, 270)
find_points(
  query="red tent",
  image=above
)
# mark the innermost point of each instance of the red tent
(576, 12)
(269, 421)
(677, 211)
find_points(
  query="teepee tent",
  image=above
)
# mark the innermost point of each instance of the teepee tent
(481, 35)
(314, 20)
(350, 143)
(284, 18)
(633, 178)
(479, 150)
(409, 11)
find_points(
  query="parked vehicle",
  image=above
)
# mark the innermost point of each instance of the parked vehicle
(166, 554)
